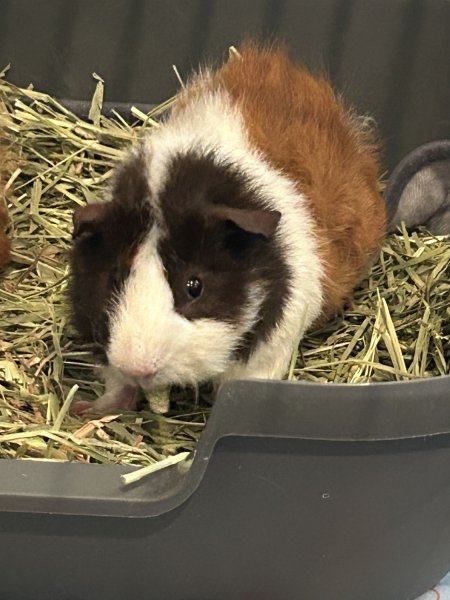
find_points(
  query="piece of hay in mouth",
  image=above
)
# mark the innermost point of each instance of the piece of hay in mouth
(398, 327)
(158, 400)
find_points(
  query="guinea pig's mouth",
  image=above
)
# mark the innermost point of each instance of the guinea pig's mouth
(144, 377)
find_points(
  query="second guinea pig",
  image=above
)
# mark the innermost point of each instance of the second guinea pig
(249, 215)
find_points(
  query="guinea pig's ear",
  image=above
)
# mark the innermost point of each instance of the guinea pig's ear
(257, 221)
(88, 219)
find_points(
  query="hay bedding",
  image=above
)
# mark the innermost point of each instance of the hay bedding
(398, 327)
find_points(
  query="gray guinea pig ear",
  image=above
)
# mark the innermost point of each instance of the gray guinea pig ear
(88, 219)
(257, 221)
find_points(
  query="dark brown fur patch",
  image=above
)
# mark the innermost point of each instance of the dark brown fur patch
(206, 240)
(106, 237)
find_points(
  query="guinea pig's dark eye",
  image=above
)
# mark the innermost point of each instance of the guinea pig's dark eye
(194, 287)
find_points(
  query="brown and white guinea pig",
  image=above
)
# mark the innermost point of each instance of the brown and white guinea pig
(246, 217)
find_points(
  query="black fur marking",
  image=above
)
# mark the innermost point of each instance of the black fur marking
(105, 240)
(206, 240)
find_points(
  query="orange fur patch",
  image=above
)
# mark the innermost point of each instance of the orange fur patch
(303, 130)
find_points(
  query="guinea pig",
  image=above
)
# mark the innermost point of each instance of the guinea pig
(247, 217)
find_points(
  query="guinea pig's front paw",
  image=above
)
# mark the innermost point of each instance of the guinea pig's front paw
(123, 398)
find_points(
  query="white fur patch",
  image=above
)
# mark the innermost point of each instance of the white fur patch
(210, 122)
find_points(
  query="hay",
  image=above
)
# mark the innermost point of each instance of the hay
(399, 326)
(397, 329)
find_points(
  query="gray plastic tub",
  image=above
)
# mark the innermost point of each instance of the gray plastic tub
(297, 491)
